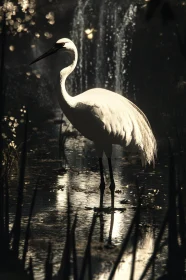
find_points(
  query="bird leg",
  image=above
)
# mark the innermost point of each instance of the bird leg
(102, 183)
(112, 185)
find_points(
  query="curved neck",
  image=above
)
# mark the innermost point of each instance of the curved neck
(67, 100)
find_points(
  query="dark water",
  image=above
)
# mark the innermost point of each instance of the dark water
(82, 180)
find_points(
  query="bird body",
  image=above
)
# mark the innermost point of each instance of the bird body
(104, 117)
(107, 118)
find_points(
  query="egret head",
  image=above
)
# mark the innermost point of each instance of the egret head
(63, 44)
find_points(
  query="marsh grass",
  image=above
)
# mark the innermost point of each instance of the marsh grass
(173, 223)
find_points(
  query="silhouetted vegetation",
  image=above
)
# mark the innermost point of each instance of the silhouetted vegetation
(174, 221)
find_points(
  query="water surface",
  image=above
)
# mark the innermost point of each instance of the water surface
(81, 177)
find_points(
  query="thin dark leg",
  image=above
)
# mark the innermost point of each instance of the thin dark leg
(102, 183)
(111, 228)
(101, 226)
(112, 185)
(112, 188)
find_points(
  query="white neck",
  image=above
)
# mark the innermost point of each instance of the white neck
(67, 101)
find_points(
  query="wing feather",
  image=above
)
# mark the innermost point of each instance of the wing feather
(121, 122)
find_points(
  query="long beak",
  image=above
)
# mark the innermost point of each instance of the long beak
(49, 52)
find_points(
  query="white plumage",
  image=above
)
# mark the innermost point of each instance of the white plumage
(105, 117)
(108, 118)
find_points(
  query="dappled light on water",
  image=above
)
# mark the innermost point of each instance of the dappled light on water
(144, 251)
(81, 177)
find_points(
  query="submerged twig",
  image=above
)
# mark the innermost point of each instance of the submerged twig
(156, 246)
(136, 234)
(74, 253)
(124, 245)
(27, 233)
(87, 255)
(30, 269)
(64, 271)
(172, 221)
(48, 264)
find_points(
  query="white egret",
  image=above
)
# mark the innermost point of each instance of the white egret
(105, 118)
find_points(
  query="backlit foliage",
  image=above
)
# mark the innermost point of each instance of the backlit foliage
(19, 15)
(11, 146)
